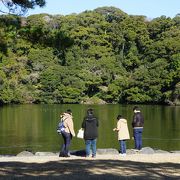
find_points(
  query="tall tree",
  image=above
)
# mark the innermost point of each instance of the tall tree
(19, 7)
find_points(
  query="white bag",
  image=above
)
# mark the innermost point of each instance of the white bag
(80, 133)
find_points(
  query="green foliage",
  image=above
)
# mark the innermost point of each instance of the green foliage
(70, 94)
(3, 45)
(136, 95)
(20, 7)
(100, 56)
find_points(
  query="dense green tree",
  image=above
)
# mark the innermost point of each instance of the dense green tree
(100, 56)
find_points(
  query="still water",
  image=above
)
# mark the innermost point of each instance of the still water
(33, 127)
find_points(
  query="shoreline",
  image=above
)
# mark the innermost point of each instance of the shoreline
(106, 167)
(153, 158)
(144, 150)
(45, 165)
(146, 154)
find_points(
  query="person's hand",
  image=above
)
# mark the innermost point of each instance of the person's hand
(114, 129)
(61, 115)
(133, 138)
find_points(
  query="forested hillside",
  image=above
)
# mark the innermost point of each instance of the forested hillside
(99, 56)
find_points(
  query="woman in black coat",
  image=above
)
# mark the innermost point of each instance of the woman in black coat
(90, 126)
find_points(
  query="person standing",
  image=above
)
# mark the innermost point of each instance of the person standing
(67, 134)
(123, 133)
(90, 125)
(137, 124)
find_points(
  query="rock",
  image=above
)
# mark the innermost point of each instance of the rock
(93, 100)
(7, 155)
(56, 153)
(107, 151)
(159, 151)
(177, 152)
(170, 103)
(146, 150)
(131, 151)
(25, 153)
(45, 154)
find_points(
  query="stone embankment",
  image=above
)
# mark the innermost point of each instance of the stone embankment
(145, 150)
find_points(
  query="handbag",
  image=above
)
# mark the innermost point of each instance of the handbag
(80, 133)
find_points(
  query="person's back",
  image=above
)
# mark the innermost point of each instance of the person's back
(138, 120)
(123, 132)
(67, 134)
(68, 123)
(90, 126)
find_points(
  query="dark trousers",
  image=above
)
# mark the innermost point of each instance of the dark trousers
(67, 141)
(138, 138)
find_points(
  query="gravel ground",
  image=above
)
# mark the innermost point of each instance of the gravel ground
(111, 167)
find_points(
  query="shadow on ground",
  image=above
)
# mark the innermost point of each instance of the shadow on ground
(89, 169)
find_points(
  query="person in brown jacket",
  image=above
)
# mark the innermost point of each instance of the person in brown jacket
(68, 133)
(123, 133)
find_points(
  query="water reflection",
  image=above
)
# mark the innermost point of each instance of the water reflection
(33, 127)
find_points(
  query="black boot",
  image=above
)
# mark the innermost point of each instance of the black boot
(66, 155)
(61, 154)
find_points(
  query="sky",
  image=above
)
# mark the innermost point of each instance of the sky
(149, 8)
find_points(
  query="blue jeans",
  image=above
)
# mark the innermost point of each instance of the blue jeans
(90, 143)
(138, 138)
(122, 146)
(67, 141)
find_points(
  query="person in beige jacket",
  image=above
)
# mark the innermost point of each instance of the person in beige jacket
(68, 133)
(123, 133)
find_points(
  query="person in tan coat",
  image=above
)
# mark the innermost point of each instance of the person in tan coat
(123, 133)
(68, 133)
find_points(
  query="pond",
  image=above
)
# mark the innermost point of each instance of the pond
(33, 127)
